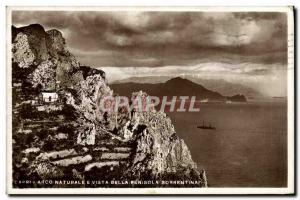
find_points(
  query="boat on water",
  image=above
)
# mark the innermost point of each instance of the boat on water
(203, 126)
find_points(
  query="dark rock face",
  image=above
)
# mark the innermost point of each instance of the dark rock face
(57, 41)
(72, 139)
(37, 40)
(88, 71)
(159, 152)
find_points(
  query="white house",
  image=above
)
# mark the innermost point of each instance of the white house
(49, 97)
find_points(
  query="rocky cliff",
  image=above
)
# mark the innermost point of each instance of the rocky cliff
(40, 58)
(72, 139)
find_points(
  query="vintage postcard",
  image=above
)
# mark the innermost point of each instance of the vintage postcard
(150, 100)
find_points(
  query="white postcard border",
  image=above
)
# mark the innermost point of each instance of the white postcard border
(156, 191)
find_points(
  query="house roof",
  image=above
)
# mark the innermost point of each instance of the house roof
(48, 91)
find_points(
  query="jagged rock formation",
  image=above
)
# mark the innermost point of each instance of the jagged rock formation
(79, 141)
(43, 76)
(22, 54)
(159, 152)
(40, 58)
(84, 99)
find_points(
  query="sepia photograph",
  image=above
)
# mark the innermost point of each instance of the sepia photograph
(141, 100)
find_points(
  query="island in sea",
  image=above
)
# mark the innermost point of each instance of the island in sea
(177, 86)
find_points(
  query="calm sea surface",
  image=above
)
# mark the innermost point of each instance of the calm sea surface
(248, 147)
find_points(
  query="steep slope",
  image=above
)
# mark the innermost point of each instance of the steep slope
(41, 59)
(73, 139)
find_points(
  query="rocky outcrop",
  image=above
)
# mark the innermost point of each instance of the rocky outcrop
(84, 99)
(82, 141)
(160, 153)
(36, 38)
(22, 54)
(36, 52)
(43, 76)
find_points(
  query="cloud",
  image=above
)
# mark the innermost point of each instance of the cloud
(166, 38)
(269, 79)
(240, 47)
(204, 69)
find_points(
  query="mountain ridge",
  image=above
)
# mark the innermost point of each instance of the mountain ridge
(222, 86)
(174, 87)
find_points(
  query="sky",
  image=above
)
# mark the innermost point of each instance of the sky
(248, 48)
